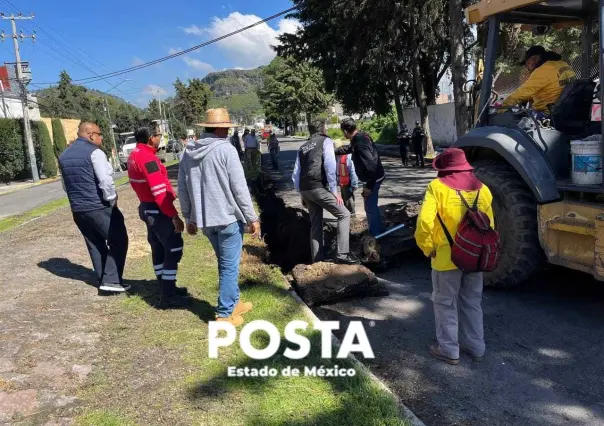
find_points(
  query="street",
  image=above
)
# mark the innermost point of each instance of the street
(544, 339)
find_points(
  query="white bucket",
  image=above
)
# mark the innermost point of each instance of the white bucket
(587, 162)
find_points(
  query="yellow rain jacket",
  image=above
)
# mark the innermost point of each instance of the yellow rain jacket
(543, 87)
(429, 233)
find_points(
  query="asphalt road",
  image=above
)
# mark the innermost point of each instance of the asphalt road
(545, 339)
(21, 201)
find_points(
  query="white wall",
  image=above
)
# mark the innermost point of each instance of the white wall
(13, 108)
(442, 122)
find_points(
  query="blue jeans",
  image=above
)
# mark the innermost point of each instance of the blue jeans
(227, 242)
(373, 212)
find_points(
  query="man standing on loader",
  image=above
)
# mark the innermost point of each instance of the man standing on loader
(549, 75)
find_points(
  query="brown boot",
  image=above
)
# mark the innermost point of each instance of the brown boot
(242, 308)
(436, 353)
(236, 320)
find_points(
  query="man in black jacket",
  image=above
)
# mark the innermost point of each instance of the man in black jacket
(369, 169)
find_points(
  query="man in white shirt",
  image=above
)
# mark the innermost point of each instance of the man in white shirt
(88, 181)
(252, 149)
(315, 178)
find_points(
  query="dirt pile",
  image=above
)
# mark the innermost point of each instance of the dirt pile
(324, 283)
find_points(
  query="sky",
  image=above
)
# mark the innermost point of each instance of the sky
(85, 38)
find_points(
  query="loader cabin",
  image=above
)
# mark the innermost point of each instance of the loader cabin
(542, 17)
(542, 206)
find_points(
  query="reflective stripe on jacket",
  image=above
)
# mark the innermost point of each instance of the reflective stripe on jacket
(429, 234)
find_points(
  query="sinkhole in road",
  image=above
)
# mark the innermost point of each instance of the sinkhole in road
(286, 231)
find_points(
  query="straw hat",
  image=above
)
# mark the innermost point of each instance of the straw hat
(218, 117)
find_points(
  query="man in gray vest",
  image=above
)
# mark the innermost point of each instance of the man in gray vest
(315, 179)
(88, 181)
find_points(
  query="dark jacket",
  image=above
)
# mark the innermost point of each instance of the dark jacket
(366, 159)
(81, 183)
(312, 171)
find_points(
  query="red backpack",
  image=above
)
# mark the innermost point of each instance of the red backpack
(476, 247)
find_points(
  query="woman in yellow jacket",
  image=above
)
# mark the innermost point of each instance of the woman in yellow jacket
(453, 289)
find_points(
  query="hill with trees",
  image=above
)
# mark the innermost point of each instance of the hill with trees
(236, 90)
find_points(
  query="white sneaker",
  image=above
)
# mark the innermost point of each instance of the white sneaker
(114, 288)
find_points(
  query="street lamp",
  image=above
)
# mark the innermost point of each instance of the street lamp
(116, 161)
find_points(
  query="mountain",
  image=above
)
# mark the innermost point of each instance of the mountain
(236, 90)
(234, 82)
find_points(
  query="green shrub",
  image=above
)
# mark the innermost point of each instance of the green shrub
(12, 154)
(47, 153)
(335, 134)
(58, 136)
(335, 120)
(388, 134)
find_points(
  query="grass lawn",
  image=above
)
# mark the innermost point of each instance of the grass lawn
(14, 221)
(156, 369)
(11, 222)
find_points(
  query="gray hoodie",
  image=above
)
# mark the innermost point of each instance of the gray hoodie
(212, 186)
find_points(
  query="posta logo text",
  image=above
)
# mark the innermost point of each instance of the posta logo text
(355, 339)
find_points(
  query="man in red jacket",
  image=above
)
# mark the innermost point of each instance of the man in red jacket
(149, 179)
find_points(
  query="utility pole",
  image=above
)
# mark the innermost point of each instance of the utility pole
(23, 89)
(114, 159)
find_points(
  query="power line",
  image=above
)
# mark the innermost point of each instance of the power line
(66, 51)
(174, 55)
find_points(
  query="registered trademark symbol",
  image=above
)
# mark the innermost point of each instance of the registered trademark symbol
(371, 323)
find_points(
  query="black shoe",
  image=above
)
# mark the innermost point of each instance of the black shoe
(181, 291)
(347, 259)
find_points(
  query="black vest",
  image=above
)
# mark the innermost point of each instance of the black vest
(312, 172)
(81, 184)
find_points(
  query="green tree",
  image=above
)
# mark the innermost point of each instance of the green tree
(12, 160)
(58, 136)
(191, 100)
(152, 111)
(383, 52)
(47, 154)
(291, 88)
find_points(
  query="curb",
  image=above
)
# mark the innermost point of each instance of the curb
(405, 411)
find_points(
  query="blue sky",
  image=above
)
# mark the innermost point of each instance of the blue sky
(110, 35)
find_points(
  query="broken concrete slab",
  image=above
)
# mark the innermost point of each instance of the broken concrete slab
(323, 283)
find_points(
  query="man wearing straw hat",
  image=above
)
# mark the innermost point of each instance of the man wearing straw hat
(214, 197)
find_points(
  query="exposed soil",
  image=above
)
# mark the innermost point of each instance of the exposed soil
(323, 283)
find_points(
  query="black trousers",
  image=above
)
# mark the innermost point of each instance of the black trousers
(107, 240)
(166, 244)
(418, 149)
(404, 149)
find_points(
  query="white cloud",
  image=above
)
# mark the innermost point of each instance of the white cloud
(153, 89)
(194, 30)
(174, 50)
(198, 65)
(137, 61)
(250, 48)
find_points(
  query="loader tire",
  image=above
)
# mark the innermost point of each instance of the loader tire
(515, 210)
